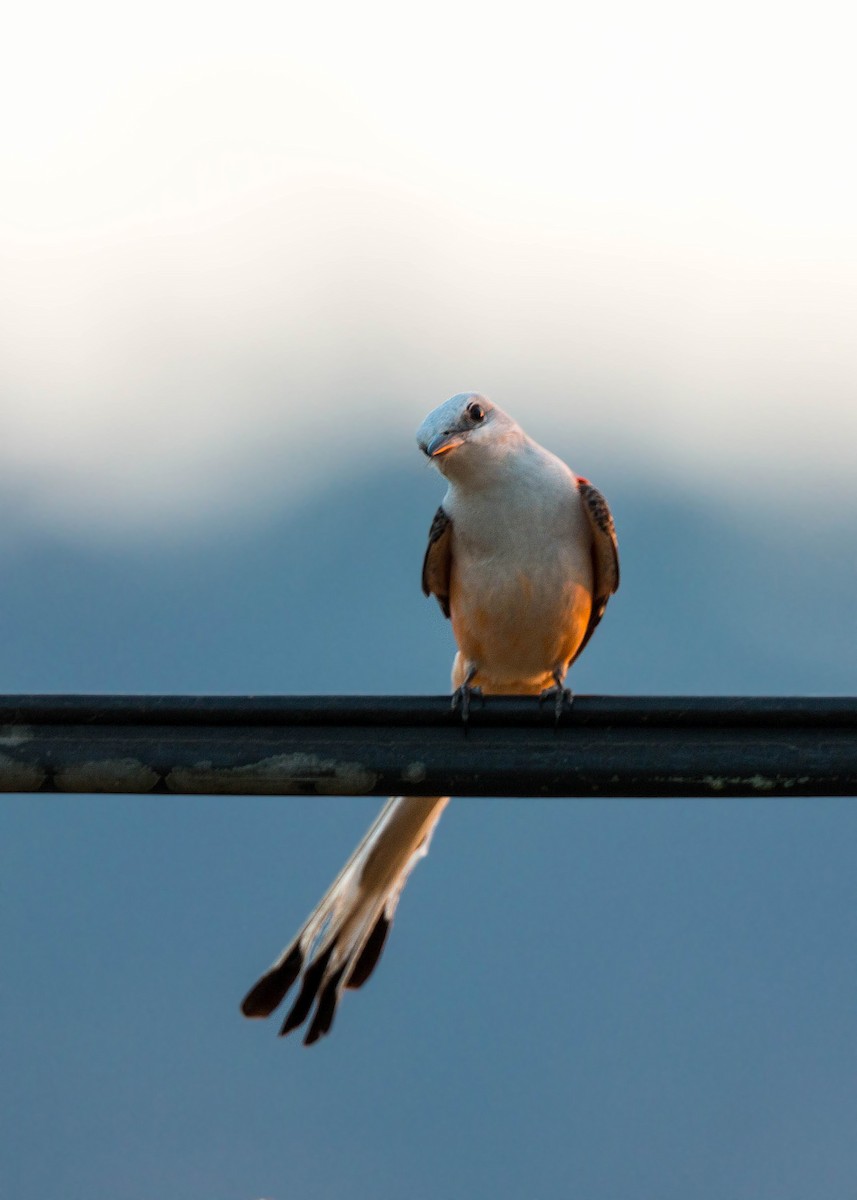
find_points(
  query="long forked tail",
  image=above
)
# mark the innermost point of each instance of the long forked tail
(342, 939)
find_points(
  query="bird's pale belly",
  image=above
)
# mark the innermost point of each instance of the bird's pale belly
(516, 632)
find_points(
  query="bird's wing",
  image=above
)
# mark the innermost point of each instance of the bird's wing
(437, 564)
(605, 553)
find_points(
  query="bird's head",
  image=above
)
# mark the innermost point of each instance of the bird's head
(465, 425)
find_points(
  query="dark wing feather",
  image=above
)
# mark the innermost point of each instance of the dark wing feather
(437, 564)
(605, 554)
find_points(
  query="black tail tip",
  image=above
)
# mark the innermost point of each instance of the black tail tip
(270, 990)
(313, 976)
(326, 1009)
(370, 953)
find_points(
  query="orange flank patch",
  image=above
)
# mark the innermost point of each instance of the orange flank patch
(471, 632)
(517, 636)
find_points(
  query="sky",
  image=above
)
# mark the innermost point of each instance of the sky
(242, 253)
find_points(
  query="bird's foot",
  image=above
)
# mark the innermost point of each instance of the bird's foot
(561, 696)
(461, 698)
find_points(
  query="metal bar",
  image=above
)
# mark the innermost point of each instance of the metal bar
(380, 745)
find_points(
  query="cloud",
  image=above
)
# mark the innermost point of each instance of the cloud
(229, 273)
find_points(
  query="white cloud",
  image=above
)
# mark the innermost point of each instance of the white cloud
(258, 247)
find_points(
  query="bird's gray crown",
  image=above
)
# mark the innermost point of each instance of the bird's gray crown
(463, 418)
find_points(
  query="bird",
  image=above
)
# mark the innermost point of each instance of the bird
(522, 558)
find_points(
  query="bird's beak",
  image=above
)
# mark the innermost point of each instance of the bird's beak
(442, 443)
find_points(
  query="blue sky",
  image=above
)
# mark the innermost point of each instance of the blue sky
(638, 996)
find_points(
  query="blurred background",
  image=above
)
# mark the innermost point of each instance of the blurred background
(242, 253)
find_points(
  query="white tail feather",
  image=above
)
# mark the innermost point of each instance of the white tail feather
(341, 940)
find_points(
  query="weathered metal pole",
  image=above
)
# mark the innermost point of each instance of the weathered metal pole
(367, 745)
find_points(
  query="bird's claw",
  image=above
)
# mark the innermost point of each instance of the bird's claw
(461, 698)
(561, 696)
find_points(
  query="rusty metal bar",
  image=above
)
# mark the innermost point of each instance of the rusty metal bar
(379, 745)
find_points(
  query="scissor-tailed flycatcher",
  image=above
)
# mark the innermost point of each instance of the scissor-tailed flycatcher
(522, 557)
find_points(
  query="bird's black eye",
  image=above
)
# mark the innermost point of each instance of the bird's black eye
(476, 412)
